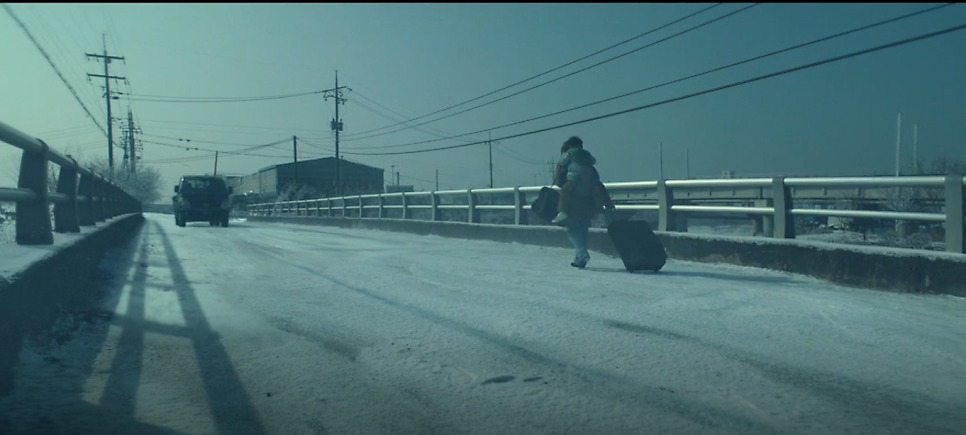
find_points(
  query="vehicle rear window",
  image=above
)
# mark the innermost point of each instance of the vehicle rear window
(203, 184)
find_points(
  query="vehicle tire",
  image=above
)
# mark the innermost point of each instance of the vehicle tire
(180, 220)
(224, 222)
(213, 223)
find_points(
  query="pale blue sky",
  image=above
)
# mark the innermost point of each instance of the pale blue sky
(415, 59)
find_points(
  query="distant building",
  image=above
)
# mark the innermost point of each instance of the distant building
(397, 188)
(269, 182)
(233, 181)
(727, 174)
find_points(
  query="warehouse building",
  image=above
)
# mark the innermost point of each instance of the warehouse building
(319, 174)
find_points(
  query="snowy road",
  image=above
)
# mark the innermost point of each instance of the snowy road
(286, 329)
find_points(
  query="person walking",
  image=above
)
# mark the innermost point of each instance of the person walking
(582, 196)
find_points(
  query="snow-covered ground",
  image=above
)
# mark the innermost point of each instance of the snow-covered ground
(287, 329)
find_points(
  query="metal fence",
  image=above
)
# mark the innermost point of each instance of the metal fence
(82, 197)
(674, 201)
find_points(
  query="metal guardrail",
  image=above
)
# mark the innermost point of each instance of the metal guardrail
(82, 198)
(778, 216)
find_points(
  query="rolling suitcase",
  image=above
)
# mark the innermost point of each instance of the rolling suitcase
(637, 245)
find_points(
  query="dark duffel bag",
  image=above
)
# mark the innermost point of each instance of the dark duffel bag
(545, 206)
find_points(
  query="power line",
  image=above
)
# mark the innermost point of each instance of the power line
(399, 114)
(773, 53)
(250, 148)
(68, 131)
(380, 114)
(52, 65)
(317, 146)
(515, 156)
(551, 70)
(194, 140)
(71, 67)
(691, 29)
(289, 129)
(695, 94)
(211, 156)
(167, 99)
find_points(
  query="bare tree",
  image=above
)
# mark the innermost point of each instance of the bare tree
(53, 173)
(144, 184)
(296, 192)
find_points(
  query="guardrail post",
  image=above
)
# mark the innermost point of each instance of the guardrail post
(328, 205)
(115, 200)
(474, 217)
(767, 222)
(955, 211)
(112, 197)
(85, 209)
(66, 214)
(318, 208)
(115, 194)
(99, 198)
(667, 221)
(344, 211)
(405, 205)
(433, 206)
(106, 198)
(33, 216)
(362, 208)
(784, 222)
(382, 206)
(520, 217)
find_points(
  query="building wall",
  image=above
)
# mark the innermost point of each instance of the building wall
(248, 183)
(268, 181)
(357, 179)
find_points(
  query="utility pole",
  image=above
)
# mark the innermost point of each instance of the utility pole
(489, 143)
(216, 163)
(898, 142)
(397, 179)
(437, 179)
(125, 146)
(687, 165)
(295, 156)
(130, 139)
(336, 126)
(107, 95)
(915, 148)
(392, 175)
(660, 160)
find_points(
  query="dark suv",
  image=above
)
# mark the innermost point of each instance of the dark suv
(201, 198)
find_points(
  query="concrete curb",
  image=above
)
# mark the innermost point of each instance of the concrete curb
(33, 296)
(897, 270)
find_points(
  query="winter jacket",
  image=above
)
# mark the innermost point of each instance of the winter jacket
(590, 197)
(577, 165)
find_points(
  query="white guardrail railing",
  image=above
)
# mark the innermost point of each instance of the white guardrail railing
(82, 197)
(774, 203)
